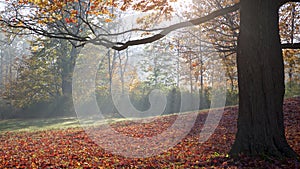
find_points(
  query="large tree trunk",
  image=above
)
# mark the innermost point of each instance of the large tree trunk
(261, 82)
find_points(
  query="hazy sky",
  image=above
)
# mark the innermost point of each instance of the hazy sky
(2, 4)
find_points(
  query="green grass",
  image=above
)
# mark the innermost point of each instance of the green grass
(31, 125)
(15, 125)
(37, 124)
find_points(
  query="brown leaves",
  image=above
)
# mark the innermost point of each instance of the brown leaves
(72, 148)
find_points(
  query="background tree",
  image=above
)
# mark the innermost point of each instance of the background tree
(290, 33)
(158, 65)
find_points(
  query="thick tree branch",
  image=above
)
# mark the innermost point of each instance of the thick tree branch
(121, 46)
(290, 46)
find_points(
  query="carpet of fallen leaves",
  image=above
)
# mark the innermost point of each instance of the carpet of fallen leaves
(72, 148)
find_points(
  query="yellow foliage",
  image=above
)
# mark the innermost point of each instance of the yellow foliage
(134, 84)
(34, 48)
(107, 20)
(55, 10)
(40, 22)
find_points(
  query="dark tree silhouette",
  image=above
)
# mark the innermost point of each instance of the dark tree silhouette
(261, 82)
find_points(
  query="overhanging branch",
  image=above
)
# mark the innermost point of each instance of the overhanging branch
(290, 46)
(121, 46)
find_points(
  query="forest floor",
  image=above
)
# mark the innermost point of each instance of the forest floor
(63, 144)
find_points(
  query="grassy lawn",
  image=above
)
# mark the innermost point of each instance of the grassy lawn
(15, 125)
(36, 124)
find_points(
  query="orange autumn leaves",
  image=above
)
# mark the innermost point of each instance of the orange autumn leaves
(73, 148)
(72, 18)
(71, 11)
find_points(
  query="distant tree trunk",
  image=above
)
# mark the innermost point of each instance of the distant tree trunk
(261, 82)
(190, 70)
(1, 69)
(68, 64)
(290, 73)
(123, 69)
(111, 56)
(66, 82)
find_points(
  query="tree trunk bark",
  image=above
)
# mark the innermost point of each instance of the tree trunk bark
(261, 82)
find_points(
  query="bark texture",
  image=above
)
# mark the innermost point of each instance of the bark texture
(261, 82)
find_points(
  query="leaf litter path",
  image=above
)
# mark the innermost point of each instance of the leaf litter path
(72, 148)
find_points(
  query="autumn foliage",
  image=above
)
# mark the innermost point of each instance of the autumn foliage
(76, 20)
(72, 148)
(72, 11)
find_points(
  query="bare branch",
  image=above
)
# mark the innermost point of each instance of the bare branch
(121, 46)
(290, 46)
